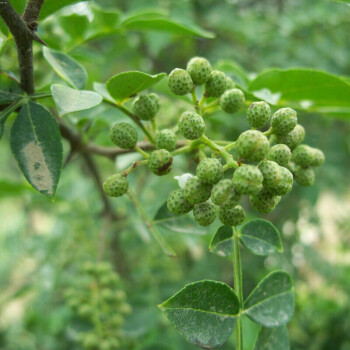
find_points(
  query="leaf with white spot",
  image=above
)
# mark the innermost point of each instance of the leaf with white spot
(36, 144)
(272, 339)
(222, 242)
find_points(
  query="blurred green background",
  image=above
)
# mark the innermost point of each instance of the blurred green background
(44, 245)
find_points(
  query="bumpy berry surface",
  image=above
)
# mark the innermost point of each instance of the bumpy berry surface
(252, 145)
(180, 82)
(199, 69)
(224, 194)
(116, 185)
(280, 154)
(156, 100)
(123, 135)
(264, 202)
(160, 162)
(210, 171)
(230, 84)
(146, 107)
(303, 155)
(196, 191)
(247, 179)
(304, 176)
(258, 114)
(205, 213)
(191, 125)
(232, 100)
(177, 203)
(293, 138)
(233, 216)
(166, 139)
(216, 84)
(284, 121)
(318, 157)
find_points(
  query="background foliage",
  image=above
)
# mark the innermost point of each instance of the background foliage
(44, 244)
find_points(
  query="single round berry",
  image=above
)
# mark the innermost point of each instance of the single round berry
(258, 114)
(284, 121)
(230, 83)
(205, 213)
(160, 162)
(264, 202)
(210, 171)
(252, 145)
(166, 139)
(304, 176)
(247, 179)
(303, 155)
(293, 138)
(233, 216)
(196, 191)
(123, 135)
(318, 157)
(116, 185)
(280, 154)
(232, 100)
(191, 125)
(180, 82)
(224, 194)
(216, 84)
(177, 203)
(145, 107)
(199, 69)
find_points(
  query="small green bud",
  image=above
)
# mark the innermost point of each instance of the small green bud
(247, 179)
(125, 309)
(196, 191)
(160, 162)
(230, 83)
(224, 194)
(90, 340)
(123, 135)
(233, 216)
(252, 145)
(318, 157)
(258, 114)
(146, 107)
(191, 125)
(205, 213)
(232, 100)
(166, 139)
(210, 171)
(180, 82)
(284, 121)
(117, 320)
(199, 69)
(216, 84)
(304, 176)
(293, 138)
(264, 202)
(85, 310)
(303, 155)
(116, 185)
(280, 154)
(177, 203)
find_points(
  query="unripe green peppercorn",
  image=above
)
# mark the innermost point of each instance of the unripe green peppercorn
(177, 203)
(165, 139)
(264, 202)
(304, 176)
(319, 158)
(196, 191)
(180, 82)
(123, 135)
(284, 121)
(116, 185)
(232, 216)
(230, 83)
(204, 213)
(293, 138)
(247, 179)
(191, 125)
(210, 171)
(252, 145)
(216, 84)
(146, 107)
(303, 155)
(232, 100)
(258, 114)
(199, 69)
(160, 162)
(280, 154)
(224, 194)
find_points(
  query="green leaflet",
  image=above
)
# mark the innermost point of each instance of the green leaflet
(222, 242)
(272, 339)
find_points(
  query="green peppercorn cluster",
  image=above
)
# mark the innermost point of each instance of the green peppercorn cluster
(98, 298)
